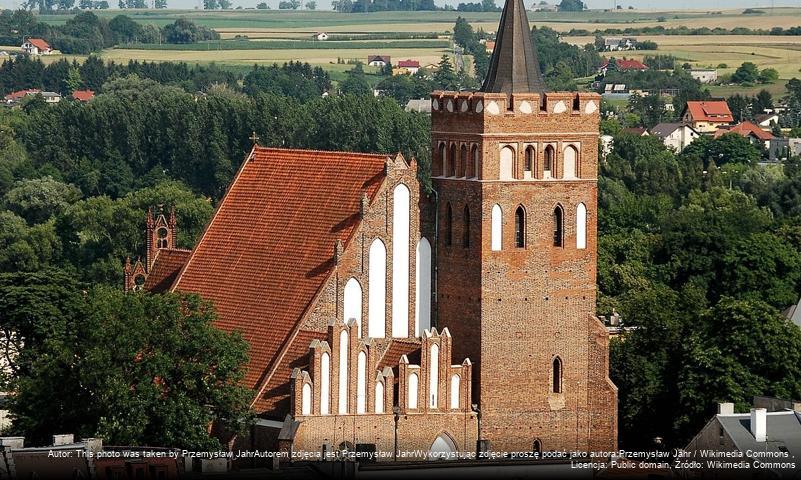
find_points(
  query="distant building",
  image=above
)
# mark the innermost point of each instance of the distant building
(14, 98)
(767, 121)
(36, 46)
(378, 60)
(619, 44)
(489, 45)
(83, 95)
(675, 136)
(621, 64)
(638, 131)
(411, 65)
(709, 75)
(51, 97)
(421, 105)
(770, 432)
(783, 148)
(707, 117)
(320, 36)
(756, 135)
(545, 7)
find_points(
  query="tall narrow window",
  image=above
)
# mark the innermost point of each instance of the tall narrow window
(377, 290)
(497, 227)
(400, 261)
(306, 400)
(343, 372)
(507, 164)
(558, 230)
(361, 383)
(537, 447)
(443, 161)
(548, 162)
(529, 166)
(455, 389)
(412, 391)
(475, 161)
(557, 375)
(325, 383)
(466, 228)
(581, 226)
(422, 304)
(520, 227)
(463, 162)
(454, 160)
(352, 304)
(570, 157)
(379, 397)
(433, 377)
(448, 225)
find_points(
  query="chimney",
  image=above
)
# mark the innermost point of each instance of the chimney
(64, 439)
(726, 408)
(759, 424)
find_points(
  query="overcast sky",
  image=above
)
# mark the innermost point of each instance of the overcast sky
(650, 4)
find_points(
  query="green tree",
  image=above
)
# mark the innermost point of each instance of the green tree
(37, 200)
(356, 82)
(445, 77)
(73, 81)
(133, 369)
(572, 6)
(748, 72)
(312, 5)
(768, 75)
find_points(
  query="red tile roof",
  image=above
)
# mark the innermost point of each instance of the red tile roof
(83, 95)
(39, 43)
(269, 247)
(408, 64)
(745, 129)
(397, 348)
(21, 93)
(165, 269)
(712, 111)
(625, 64)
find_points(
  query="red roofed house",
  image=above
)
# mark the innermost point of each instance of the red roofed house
(753, 132)
(325, 263)
(83, 95)
(411, 65)
(622, 64)
(15, 97)
(36, 46)
(707, 116)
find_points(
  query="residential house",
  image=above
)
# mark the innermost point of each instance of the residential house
(637, 131)
(83, 95)
(51, 97)
(707, 116)
(490, 46)
(36, 46)
(675, 136)
(378, 60)
(758, 137)
(547, 7)
(770, 433)
(621, 64)
(619, 44)
(782, 148)
(705, 75)
(767, 121)
(420, 105)
(14, 98)
(320, 36)
(411, 65)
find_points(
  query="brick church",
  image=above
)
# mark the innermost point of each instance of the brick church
(381, 316)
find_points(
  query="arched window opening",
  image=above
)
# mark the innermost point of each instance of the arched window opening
(576, 103)
(497, 227)
(379, 397)
(325, 383)
(400, 261)
(377, 290)
(529, 165)
(448, 225)
(306, 400)
(452, 166)
(475, 162)
(581, 226)
(443, 160)
(433, 377)
(412, 391)
(463, 163)
(507, 163)
(343, 372)
(556, 382)
(558, 230)
(520, 227)
(466, 228)
(422, 318)
(570, 157)
(537, 447)
(352, 304)
(548, 162)
(455, 389)
(442, 448)
(361, 383)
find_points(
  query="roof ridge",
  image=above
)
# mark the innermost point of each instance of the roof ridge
(310, 150)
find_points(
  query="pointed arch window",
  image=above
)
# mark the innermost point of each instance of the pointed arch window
(529, 165)
(452, 165)
(466, 228)
(475, 162)
(411, 401)
(548, 162)
(556, 381)
(520, 227)
(448, 226)
(558, 226)
(581, 226)
(497, 228)
(443, 161)
(463, 162)
(570, 157)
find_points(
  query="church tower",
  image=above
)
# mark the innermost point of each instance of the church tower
(161, 232)
(515, 173)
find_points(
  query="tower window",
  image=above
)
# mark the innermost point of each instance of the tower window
(463, 165)
(161, 241)
(443, 161)
(452, 166)
(448, 226)
(520, 227)
(497, 228)
(558, 230)
(556, 383)
(548, 162)
(529, 166)
(570, 157)
(466, 230)
(475, 161)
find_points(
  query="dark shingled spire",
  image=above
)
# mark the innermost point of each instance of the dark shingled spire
(514, 67)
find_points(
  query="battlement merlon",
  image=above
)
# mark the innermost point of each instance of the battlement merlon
(488, 113)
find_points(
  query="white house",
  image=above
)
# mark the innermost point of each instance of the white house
(675, 135)
(320, 36)
(36, 46)
(378, 60)
(708, 75)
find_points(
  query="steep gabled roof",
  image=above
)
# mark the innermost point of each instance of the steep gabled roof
(664, 130)
(514, 67)
(39, 43)
(166, 266)
(409, 64)
(746, 129)
(269, 248)
(711, 111)
(83, 95)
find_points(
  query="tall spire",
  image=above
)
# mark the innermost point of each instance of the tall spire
(514, 67)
